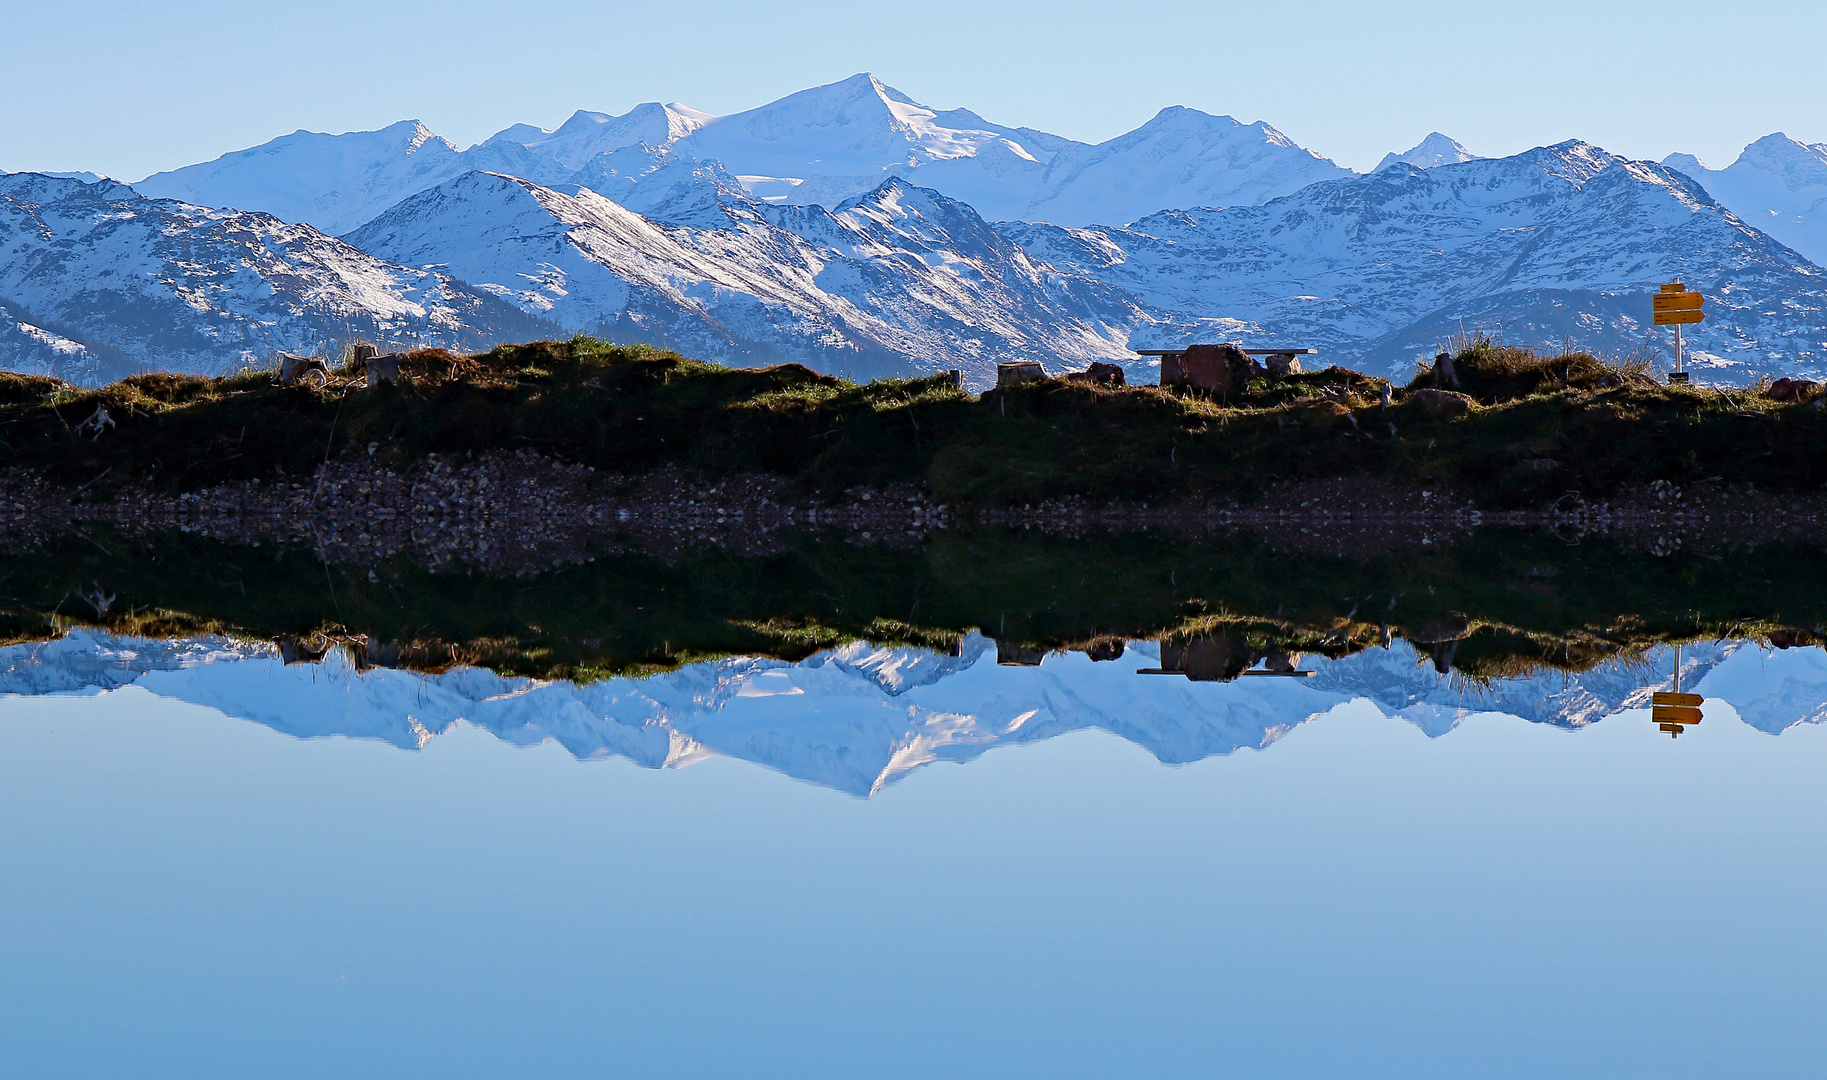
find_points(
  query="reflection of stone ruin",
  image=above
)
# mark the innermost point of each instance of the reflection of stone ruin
(1221, 658)
(1442, 636)
(1011, 654)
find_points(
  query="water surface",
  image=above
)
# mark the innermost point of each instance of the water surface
(896, 862)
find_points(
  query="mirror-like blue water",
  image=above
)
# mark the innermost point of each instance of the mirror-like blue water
(1356, 874)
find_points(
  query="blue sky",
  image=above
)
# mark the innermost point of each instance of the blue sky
(128, 89)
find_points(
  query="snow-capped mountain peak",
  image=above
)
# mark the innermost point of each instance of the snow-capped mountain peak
(859, 127)
(1435, 150)
(1796, 165)
(587, 134)
(1777, 184)
(1181, 157)
(334, 182)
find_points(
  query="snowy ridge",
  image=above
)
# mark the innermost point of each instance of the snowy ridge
(98, 281)
(859, 717)
(820, 146)
(588, 135)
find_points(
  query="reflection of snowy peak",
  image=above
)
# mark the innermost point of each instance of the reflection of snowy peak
(97, 280)
(900, 278)
(1403, 683)
(858, 717)
(1771, 689)
(86, 660)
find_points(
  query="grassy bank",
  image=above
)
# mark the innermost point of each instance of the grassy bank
(1540, 428)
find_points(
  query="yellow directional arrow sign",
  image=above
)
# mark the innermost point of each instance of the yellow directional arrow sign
(1677, 308)
(1663, 697)
(1670, 714)
(1674, 306)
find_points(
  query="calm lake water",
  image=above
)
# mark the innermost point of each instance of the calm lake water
(891, 862)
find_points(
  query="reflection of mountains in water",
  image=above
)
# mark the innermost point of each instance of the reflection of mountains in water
(857, 717)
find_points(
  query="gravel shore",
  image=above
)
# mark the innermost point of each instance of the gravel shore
(521, 513)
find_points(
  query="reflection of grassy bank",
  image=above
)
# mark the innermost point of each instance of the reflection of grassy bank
(1537, 433)
(1527, 601)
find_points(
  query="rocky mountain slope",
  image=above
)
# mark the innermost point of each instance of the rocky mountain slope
(1558, 244)
(899, 279)
(97, 281)
(859, 717)
(1778, 185)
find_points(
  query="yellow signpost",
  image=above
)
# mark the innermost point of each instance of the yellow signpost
(1675, 306)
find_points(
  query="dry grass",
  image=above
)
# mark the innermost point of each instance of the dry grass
(1495, 373)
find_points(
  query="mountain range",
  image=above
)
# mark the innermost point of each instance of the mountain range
(819, 146)
(898, 277)
(1558, 244)
(853, 229)
(859, 717)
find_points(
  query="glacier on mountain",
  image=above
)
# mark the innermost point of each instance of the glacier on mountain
(99, 281)
(860, 716)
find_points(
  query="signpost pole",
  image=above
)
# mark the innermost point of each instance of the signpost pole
(1673, 305)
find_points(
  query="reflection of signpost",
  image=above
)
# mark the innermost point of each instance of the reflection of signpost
(1675, 306)
(1672, 710)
